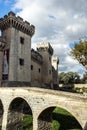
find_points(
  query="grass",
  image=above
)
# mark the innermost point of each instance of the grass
(27, 122)
(55, 125)
(63, 120)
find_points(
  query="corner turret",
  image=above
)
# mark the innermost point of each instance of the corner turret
(55, 62)
(11, 20)
(45, 47)
(46, 51)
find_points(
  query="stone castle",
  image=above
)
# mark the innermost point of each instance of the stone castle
(19, 64)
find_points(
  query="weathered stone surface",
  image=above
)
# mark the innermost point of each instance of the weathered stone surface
(15, 50)
(41, 99)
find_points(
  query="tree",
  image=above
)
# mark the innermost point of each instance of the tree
(69, 78)
(79, 52)
(84, 79)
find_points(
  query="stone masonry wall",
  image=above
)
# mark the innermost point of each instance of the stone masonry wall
(41, 99)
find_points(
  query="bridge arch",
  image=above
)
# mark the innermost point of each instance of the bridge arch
(1, 113)
(19, 110)
(49, 114)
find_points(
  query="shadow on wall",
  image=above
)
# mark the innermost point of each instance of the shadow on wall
(18, 109)
(85, 128)
(55, 118)
(63, 120)
(1, 114)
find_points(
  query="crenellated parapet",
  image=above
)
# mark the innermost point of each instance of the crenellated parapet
(11, 20)
(2, 44)
(45, 47)
(36, 56)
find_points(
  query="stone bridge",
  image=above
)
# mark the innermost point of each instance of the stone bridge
(42, 103)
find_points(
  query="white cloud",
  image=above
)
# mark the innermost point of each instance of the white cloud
(73, 28)
(57, 21)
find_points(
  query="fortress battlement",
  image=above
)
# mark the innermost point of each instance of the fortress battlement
(11, 20)
(45, 47)
(36, 56)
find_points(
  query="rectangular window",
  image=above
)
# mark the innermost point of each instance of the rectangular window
(39, 70)
(21, 40)
(49, 71)
(21, 61)
(49, 58)
(31, 67)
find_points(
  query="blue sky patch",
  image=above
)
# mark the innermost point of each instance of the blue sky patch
(52, 17)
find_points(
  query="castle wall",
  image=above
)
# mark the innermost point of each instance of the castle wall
(36, 73)
(46, 68)
(46, 51)
(55, 62)
(1, 64)
(2, 52)
(18, 51)
(25, 53)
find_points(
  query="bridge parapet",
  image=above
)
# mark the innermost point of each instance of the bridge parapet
(41, 99)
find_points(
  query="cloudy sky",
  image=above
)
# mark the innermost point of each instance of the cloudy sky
(60, 22)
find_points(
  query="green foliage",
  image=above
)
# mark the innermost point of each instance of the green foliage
(84, 90)
(78, 90)
(81, 90)
(69, 78)
(27, 122)
(63, 120)
(55, 125)
(84, 79)
(79, 52)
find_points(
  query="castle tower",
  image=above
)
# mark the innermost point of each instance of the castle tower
(55, 62)
(16, 54)
(46, 51)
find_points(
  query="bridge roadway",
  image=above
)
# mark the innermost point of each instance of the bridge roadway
(44, 99)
